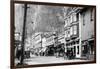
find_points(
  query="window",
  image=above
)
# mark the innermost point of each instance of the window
(74, 17)
(68, 33)
(71, 30)
(71, 18)
(66, 22)
(75, 29)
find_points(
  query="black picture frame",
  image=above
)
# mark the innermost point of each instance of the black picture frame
(12, 16)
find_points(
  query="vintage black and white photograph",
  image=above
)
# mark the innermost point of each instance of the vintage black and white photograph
(49, 34)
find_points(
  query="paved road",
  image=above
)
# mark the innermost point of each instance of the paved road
(48, 60)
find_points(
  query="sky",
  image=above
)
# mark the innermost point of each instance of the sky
(40, 18)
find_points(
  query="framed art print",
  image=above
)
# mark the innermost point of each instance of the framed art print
(51, 34)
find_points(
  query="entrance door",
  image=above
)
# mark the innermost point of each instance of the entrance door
(77, 52)
(74, 52)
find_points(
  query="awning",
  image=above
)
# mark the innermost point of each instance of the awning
(91, 39)
(44, 49)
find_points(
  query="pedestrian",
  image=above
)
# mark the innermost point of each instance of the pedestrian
(18, 52)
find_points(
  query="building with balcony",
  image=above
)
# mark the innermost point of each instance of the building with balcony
(72, 30)
(79, 29)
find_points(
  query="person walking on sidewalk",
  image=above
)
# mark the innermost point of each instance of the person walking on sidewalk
(19, 52)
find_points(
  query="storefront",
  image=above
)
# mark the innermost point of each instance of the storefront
(50, 50)
(72, 48)
(59, 51)
(88, 48)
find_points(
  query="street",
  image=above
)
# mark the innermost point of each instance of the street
(47, 60)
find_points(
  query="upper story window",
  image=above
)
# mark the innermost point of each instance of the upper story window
(71, 18)
(75, 29)
(71, 30)
(74, 17)
(68, 32)
(66, 22)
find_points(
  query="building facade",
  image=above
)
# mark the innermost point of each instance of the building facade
(79, 29)
(50, 50)
(37, 42)
(72, 36)
(87, 32)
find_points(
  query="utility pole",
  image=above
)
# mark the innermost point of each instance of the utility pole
(23, 34)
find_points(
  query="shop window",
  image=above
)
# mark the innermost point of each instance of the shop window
(74, 49)
(77, 49)
(74, 42)
(77, 42)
